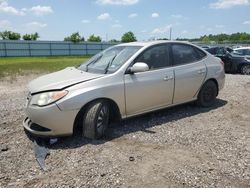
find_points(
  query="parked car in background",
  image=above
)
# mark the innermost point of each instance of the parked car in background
(244, 51)
(236, 46)
(205, 47)
(229, 49)
(233, 63)
(120, 82)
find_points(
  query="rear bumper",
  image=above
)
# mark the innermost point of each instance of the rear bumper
(49, 121)
(221, 81)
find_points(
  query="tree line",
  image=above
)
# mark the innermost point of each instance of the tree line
(221, 38)
(74, 37)
(9, 35)
(130, 37)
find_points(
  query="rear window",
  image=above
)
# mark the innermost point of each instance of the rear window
(220, 51)
(211, 51)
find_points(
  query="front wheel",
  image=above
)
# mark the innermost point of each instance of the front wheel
(245, 69)
(207, 94)
(96, 119)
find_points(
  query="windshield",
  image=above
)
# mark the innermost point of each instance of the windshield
(110, 60)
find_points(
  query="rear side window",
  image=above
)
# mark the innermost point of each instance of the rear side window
(183, 54)
(200, 53)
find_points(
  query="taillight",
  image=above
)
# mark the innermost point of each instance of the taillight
(222, 63)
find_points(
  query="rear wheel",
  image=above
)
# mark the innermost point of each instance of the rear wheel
(207, 94)
(245, 69)
(96, 119)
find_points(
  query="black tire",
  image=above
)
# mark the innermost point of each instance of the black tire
(245, 70)
(96, 119)
(207, 94)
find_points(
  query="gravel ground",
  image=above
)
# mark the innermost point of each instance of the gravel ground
(184, 146)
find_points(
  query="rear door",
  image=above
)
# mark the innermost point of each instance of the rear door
(152, 89)
(189, 69)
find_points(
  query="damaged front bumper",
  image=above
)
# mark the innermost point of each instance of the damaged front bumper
(49, 120)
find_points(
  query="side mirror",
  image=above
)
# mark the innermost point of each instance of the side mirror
(139, 67)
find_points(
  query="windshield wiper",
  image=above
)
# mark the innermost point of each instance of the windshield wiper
(109, 64)
(87, 66)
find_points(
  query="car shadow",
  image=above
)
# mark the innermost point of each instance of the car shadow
(140, 123)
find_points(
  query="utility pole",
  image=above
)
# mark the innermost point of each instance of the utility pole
(170, 33)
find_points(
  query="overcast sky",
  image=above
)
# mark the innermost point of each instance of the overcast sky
(55, 19)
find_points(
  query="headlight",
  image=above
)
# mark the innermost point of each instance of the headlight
(46, 98)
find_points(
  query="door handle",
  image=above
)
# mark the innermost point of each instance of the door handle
(167, 78)
(201, 71)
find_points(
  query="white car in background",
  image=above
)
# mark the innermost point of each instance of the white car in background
(244, 51)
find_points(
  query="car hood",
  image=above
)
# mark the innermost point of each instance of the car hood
(61, 79)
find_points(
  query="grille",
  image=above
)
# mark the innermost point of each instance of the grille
(37, 127)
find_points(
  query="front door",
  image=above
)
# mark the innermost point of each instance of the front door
(152, 89)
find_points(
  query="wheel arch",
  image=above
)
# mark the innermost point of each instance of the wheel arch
(115, 113)
(241, 65)
(213, 80)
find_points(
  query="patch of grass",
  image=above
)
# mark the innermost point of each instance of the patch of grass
(19, 65)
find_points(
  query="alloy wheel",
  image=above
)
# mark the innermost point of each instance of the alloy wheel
(245, 70)
(102, 119)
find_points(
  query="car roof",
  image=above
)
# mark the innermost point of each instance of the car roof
(242, 48)
(214, 47)
(149, 43)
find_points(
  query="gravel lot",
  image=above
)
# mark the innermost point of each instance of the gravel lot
(184, 146)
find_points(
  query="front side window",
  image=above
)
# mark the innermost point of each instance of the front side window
(110, 60)
(155, 57)
(183, 54)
